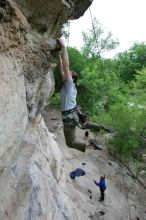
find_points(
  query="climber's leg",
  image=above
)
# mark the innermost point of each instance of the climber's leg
(70, 136)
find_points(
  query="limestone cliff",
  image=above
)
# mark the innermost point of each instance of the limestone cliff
(32, 178)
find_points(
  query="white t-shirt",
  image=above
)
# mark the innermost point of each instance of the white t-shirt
(68, 95)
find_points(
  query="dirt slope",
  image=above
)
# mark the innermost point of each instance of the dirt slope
(84, 193)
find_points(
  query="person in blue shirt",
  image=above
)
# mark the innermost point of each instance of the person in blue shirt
(102, 186)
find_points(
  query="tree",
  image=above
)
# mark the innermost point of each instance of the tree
(97, 41)
(138, 54)
(97, 91)
(77, 61)
(130, 61)
(139, 89)
(65, 30)
(128, 122)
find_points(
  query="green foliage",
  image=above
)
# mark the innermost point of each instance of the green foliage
(138, 54)
(100, 89)
(55, 101)
(103, 118)
(89, 86)
(139, 89)
(130, 61)
(77, 61)
(128, 122)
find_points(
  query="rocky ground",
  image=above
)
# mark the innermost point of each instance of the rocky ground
(124, 198)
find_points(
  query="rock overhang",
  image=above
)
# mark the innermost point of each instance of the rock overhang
(50, 15)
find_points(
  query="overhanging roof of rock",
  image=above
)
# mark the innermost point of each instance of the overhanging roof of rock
(52, 14)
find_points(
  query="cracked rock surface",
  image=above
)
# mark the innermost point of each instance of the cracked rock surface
(32, 179)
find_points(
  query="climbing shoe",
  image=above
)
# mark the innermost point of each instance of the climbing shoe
(95, 145)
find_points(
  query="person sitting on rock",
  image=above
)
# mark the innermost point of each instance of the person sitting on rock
(71, 113)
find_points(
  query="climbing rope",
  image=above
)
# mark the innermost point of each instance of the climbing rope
(98, 52)
(107, 92)
(126, 195)
(68, 34)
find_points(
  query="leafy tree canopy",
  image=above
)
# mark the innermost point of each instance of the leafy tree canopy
(96, 41)
(130, 61)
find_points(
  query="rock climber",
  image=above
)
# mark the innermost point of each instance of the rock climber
(72, 115)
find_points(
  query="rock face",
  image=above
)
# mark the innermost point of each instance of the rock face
(32, 179)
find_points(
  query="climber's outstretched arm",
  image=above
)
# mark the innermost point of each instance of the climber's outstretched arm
(65, 61)
(61, 68)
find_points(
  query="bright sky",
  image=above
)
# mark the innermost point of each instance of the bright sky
(126, 19)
